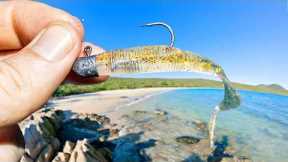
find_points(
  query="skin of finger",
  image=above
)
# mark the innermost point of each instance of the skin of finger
(12, 146)
(26, 26)
(19, 25)
(6, 54)
(10, 153)
(11, 143)
(33, 81)
(9, 38)
(72, 77)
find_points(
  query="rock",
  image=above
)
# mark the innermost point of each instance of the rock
(236, 159)
(47, 132)
(114, 132)
(42, 129)
(160, 112)
(126, 152)
(34, 152)
(227, 159)
(55, 143)
(26, 158)
(78, 129)
(68, 147)
(103, 120)
(140, 112)
(84, 152)
(187, 139)
(102, 139)
(106, 152)
(46, 154)
(39, 134)
(61, 157)
(243, 159)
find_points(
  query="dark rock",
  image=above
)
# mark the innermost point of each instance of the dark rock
(106, 152)
(140, 112)
(187, 139)
(78, 129)
(235, 159)
(160, 112)
(126, 152)
(244, 159)
(114, 132)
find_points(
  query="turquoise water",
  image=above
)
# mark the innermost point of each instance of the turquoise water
(259, 126)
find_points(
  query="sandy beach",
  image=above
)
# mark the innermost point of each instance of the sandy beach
(105, 101)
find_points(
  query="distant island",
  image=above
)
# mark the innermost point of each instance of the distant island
(133, 83)
(272, 86)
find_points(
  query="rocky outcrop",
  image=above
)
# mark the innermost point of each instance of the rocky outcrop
(64, 136)
(81, 151)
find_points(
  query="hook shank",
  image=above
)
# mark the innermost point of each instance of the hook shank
(172, 36)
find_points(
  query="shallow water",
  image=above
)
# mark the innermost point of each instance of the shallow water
(259, 126)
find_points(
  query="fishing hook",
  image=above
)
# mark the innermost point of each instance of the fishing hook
(88, 52)
(172, 36)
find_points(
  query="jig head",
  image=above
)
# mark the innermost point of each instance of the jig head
(86, 66)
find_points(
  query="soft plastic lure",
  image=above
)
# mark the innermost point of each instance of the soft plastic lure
(159, 58)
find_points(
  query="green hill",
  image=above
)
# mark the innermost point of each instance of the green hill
(272, 86)
(132, 83)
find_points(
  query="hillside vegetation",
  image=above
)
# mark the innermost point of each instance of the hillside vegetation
(273, 86)
(129, 83)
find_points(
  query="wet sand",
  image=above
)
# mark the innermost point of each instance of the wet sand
(105, 101)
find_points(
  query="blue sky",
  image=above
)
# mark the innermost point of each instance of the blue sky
(249, 38)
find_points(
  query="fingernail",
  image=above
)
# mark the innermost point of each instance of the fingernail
(54, 43)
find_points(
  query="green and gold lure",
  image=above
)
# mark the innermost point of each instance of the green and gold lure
(160, 58)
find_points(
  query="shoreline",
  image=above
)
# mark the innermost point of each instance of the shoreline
(109, 101)
(104, 102)
(80, 115)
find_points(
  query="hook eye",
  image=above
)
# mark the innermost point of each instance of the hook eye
(88, 50)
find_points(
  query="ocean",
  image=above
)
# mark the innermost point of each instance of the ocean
(259, 127)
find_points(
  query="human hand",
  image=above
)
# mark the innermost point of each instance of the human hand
(38, 45)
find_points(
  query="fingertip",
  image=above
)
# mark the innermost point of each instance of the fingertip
(27, 25)
(76, 23)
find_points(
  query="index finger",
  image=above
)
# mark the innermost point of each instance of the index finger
(21, 21)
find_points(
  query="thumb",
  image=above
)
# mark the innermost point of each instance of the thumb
(29, 78)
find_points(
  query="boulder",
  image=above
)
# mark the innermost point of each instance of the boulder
(68, 147)
(126, 152)
(61, 157)
(84, 152)
(43, 129)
